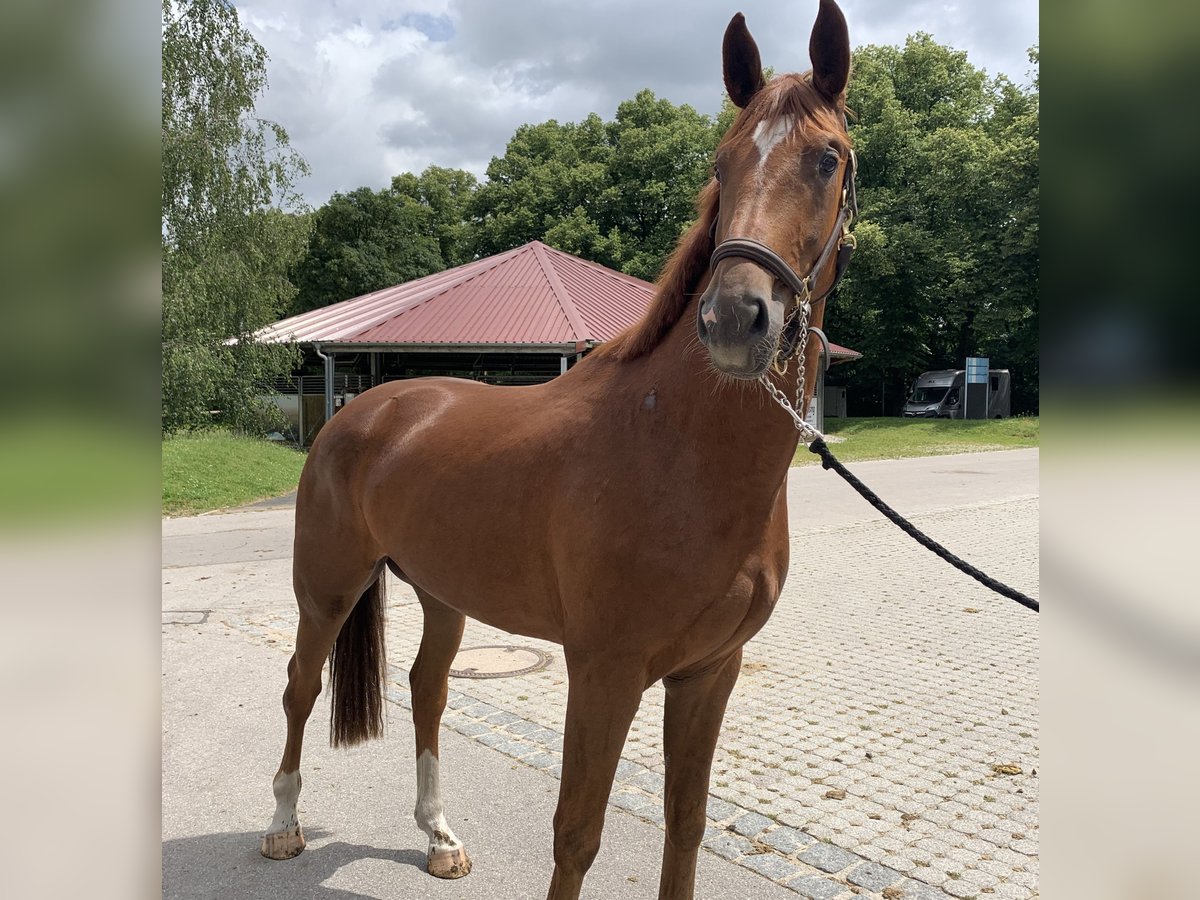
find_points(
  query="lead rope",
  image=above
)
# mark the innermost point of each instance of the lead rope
(816, 444)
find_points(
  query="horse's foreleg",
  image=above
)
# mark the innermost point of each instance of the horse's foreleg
(314, 638)
(695, 707)
(602, 700)
(439, 643)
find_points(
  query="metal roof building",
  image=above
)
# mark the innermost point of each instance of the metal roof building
(531, 299)
(518, 317)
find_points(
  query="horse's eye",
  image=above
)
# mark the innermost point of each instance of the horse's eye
(829, 163)
(717, 173)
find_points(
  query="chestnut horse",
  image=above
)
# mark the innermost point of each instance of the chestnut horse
(632, 510)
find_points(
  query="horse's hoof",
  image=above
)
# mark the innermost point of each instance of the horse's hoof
(449, 863)
(283, 844)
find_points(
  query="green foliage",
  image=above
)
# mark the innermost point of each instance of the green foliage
(217, 469)
(619, 193)
(368, 240)
(896, 438)
(446, 194)
(226, 243)
(364, 241)
(662, 156)
(550, 175)
(948, 191)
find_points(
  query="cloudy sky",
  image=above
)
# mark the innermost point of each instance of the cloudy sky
(368, 89)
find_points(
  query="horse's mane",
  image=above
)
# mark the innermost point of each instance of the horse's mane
(786, 95)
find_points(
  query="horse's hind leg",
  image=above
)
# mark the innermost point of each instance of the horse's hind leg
(428, 679)
(360, 610)
(285, 838)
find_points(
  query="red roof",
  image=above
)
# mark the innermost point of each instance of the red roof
(533, 294)
(842, 354)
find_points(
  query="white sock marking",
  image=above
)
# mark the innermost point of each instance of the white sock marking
(286, 788)
(429, 814)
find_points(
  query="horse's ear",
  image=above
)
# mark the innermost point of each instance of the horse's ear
(743, 67)
(829, 50)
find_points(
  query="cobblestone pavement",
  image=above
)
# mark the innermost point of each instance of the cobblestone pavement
(863, 747)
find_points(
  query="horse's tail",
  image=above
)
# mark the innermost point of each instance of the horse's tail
(357, 669)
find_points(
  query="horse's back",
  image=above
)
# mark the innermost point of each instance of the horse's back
(368, 430)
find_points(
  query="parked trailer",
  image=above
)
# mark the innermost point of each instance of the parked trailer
(939, 395)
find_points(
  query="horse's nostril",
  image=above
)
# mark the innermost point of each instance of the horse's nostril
(743, 320)
(762, 319)
(706, 320)
(753, 317)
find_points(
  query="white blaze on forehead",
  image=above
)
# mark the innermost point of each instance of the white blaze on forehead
(767, 135)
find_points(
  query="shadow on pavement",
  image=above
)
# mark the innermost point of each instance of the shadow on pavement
(229, 865)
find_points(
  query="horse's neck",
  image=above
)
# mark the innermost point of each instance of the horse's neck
(737, 422)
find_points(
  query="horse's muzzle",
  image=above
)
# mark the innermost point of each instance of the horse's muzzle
(740, 329)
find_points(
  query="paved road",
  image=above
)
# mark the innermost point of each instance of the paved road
(817, 498)
(883, 674)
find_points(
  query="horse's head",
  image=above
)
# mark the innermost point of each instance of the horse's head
(785, 180)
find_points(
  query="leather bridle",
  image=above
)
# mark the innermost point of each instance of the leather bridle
(838, 248)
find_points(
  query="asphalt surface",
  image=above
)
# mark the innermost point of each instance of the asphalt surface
(817, 498)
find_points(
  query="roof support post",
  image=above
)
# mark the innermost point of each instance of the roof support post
(300, 409)
(819, 387)
(374, 369)
(328, 380)
(562, 365)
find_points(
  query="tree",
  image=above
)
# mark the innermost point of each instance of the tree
(447, 194)
(661, 156)
(227, 238)
(367, 240)
(948, 258)
(1015, 334)
(548, 173)
(619, 193)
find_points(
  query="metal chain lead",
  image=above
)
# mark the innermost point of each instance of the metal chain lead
(808, 433)
(804, 310)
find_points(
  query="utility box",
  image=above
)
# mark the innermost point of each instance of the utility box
(835, 401)
(816, 412)
(975, 388)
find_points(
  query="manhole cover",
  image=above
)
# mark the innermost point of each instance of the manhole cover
(185, 616)
(498, 662)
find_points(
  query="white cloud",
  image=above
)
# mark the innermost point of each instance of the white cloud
(370, 89)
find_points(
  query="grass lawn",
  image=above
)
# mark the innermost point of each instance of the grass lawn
(216, 469)
(897, 438)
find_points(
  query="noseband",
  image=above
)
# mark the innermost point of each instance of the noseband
(838, 248)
